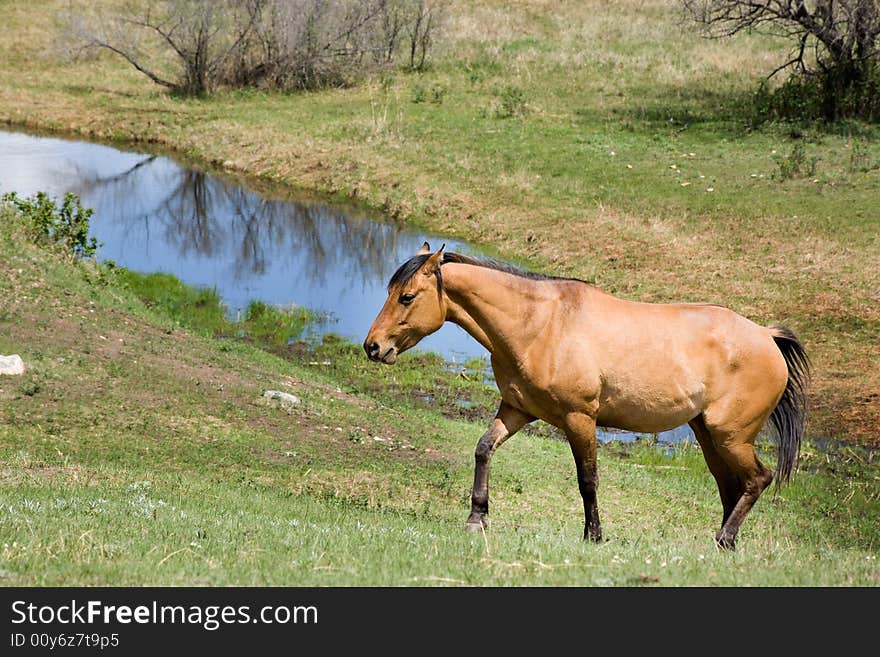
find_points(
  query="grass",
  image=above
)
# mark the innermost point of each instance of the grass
(182, 531)
(458, 392)
(137, 451)
(202, 310)
(590, 139)
(598, 140)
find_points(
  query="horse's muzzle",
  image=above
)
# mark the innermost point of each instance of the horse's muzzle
(376, 353)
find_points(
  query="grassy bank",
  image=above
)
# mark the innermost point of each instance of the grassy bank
(600, 140)
(137, 451)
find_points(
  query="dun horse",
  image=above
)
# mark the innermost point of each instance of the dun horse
(572, 355)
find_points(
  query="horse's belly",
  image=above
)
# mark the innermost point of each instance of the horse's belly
(650, 411)
(645, 423)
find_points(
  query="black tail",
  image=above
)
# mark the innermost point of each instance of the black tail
(789, 414)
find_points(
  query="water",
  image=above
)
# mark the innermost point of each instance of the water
(666, 440)
(152, 214)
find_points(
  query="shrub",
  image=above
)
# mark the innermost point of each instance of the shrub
(808, 96)
(796, 164)
(66, 225)
(194, 46)
(511, 101)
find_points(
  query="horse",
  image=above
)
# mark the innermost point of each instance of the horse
(566, 352)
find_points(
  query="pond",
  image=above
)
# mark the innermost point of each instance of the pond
(152, 214)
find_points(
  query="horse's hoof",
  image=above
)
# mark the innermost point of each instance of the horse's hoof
(473, 526)
(725, 542)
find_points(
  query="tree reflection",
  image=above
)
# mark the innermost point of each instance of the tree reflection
(202, 214)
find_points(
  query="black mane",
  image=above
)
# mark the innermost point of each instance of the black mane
(408, 269)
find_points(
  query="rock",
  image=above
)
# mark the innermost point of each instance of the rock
(11, 365)
(285, 397)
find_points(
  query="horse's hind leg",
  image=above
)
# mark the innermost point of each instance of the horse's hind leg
(507, 422)
(728, 483)
(754, 478)
(734, 444)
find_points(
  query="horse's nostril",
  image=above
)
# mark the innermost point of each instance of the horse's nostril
(372, 349)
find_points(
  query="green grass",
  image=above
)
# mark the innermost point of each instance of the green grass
(135, 527)
(602, 140)
(201, 310)
(136, 451)
(457, 392)
(580, 139)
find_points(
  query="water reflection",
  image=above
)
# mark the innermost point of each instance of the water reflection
(151, 214)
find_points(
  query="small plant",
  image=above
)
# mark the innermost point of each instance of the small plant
(67, 225)
(275, 327)
(860, 158)
(437, 94)
(418, 94)
(30, 388)
(386, 102)
(510, 102)
(796, 164)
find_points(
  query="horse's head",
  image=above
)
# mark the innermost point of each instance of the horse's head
(415, 307)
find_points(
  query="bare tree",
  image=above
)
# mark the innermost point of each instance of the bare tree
(413, 24)
(193, 46)
(200, 35)
(422, 25)
(311, 43)
(835, 42)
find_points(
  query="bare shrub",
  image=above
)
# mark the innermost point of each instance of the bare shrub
(180, 44)
(194, 46)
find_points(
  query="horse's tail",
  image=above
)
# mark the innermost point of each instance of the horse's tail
(789, 414)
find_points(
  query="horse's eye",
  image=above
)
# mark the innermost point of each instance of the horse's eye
(406, 299)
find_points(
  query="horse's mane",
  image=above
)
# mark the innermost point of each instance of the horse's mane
(408, 269)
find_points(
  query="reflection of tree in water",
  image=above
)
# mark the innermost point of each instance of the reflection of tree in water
(188, 217)
(205, 215)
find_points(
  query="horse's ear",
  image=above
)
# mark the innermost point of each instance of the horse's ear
(426, 248)
(433, 263)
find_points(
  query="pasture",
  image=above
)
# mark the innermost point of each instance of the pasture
(597, 140)
(136, 451)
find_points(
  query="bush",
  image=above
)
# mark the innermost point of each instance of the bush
(814, 97)
(194, 46)
(47, 223)
(796, 164)
(511, 101)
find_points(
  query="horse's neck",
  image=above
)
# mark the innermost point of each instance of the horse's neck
(502, 311)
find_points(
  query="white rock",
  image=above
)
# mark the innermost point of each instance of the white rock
(11, 364)
(282, 396)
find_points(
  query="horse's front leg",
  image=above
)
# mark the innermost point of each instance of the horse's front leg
(581, 432)
(507, 422)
